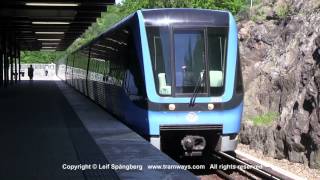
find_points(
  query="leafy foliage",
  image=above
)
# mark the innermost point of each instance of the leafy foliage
(117, 12)
(282, 10)
(231, 5)
(39, 56)
(265, 119)
(109, 18)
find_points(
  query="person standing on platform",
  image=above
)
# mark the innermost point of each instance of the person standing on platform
(30, 72)
(46, 70)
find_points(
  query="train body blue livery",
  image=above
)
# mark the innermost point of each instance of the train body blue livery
(172, 75)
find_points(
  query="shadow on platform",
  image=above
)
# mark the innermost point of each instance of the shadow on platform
(40, 132)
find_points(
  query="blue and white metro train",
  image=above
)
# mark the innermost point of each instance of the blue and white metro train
(172, 75)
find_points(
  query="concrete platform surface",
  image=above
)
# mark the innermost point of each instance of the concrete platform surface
(47, 128)
(40, 132)
(121, 145)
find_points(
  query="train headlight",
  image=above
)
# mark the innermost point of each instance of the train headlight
(172, 107)
(210, 106)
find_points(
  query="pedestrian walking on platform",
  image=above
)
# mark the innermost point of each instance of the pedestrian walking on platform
(46, 70)
(30, 72)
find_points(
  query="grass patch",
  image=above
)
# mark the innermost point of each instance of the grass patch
(265, 119)
(259, 12)
(282, 10)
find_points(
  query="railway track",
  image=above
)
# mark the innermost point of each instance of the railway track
(233, 166)
(243, 168)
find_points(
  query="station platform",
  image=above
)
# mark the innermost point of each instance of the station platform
(47, 128)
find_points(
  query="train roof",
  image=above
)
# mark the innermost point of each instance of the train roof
(205, 17)
(177, 16)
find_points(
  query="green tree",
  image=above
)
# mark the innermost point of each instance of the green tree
(39, 56)
(109, 18)
(232, 5)
(117, 12)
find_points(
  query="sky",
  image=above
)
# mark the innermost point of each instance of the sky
(118, 1)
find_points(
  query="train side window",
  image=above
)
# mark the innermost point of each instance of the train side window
(217, 52)
(158, 40)
(107, 64)
(83, 63)
(239, 80)
(106, 71)
(133, 81)
(97, 69)
(116, 74)
(130, 86)
(92, 65)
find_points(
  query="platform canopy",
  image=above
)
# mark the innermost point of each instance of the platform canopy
(48, 24)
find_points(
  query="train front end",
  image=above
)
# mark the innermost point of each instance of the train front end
(193, 80)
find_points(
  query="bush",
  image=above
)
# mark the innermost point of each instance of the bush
(232, 5)
(265, 119)
(282, 10)
(260, 13)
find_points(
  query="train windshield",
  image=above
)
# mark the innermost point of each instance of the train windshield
(187, 60)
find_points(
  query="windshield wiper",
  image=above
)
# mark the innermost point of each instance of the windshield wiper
(197, 89)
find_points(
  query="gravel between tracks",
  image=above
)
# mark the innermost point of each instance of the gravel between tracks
(296, 168)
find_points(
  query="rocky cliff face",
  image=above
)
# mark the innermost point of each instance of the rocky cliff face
(281, 67)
